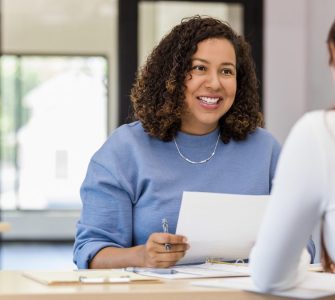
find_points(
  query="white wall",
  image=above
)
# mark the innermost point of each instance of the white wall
(296, 73)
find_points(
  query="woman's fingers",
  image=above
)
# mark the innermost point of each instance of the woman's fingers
(165, 242)
(164, 249)
(161, 248)
(167, 238)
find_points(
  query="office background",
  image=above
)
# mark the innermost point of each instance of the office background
(64, 82)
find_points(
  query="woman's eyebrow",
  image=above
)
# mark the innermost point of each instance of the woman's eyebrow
(229, 64)
(207, 62)
(200, 59)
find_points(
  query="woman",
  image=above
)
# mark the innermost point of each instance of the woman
(197, 129)
(304, 192)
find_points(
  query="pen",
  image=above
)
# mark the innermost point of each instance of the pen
(152, 270)
(165, 226)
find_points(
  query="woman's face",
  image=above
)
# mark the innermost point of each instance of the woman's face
(210, 86)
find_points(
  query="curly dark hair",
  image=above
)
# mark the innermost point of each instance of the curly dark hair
(158, 93)
(331, 40)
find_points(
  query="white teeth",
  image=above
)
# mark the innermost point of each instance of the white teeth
(209, 100)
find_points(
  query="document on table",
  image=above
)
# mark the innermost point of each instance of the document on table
(206, 270)
(315, 285)
(221, 226)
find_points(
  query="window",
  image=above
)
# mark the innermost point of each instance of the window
(59, 57)
(157, 18)
(53, 118)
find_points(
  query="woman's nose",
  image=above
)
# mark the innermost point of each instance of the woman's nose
(213, 81)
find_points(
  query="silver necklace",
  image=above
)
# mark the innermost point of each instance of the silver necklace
(197, 162)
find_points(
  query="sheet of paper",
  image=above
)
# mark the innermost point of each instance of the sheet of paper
(315, 285)
(206, 270)
(219, 225)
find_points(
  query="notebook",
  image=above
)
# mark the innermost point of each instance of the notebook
(86, 276)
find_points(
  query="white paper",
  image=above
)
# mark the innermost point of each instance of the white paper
(219, 225)
(206, 270)
(315, 285)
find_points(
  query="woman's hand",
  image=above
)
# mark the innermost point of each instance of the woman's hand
(156, 255)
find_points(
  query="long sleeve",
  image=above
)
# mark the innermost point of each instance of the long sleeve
(106, 218)
(294, 210)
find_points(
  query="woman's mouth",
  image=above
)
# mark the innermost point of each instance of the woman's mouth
(209, 100)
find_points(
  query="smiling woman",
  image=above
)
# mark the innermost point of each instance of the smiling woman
(197, 129)
(210, 86)
(214, 48)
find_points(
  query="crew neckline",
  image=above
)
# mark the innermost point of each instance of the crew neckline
(191, 140)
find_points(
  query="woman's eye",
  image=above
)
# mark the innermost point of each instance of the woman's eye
(199, 68)
(227, 72)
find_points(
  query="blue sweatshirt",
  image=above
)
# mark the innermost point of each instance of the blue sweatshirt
(134, 181)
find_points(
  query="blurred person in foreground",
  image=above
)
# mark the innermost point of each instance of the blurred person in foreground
(303, 195)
